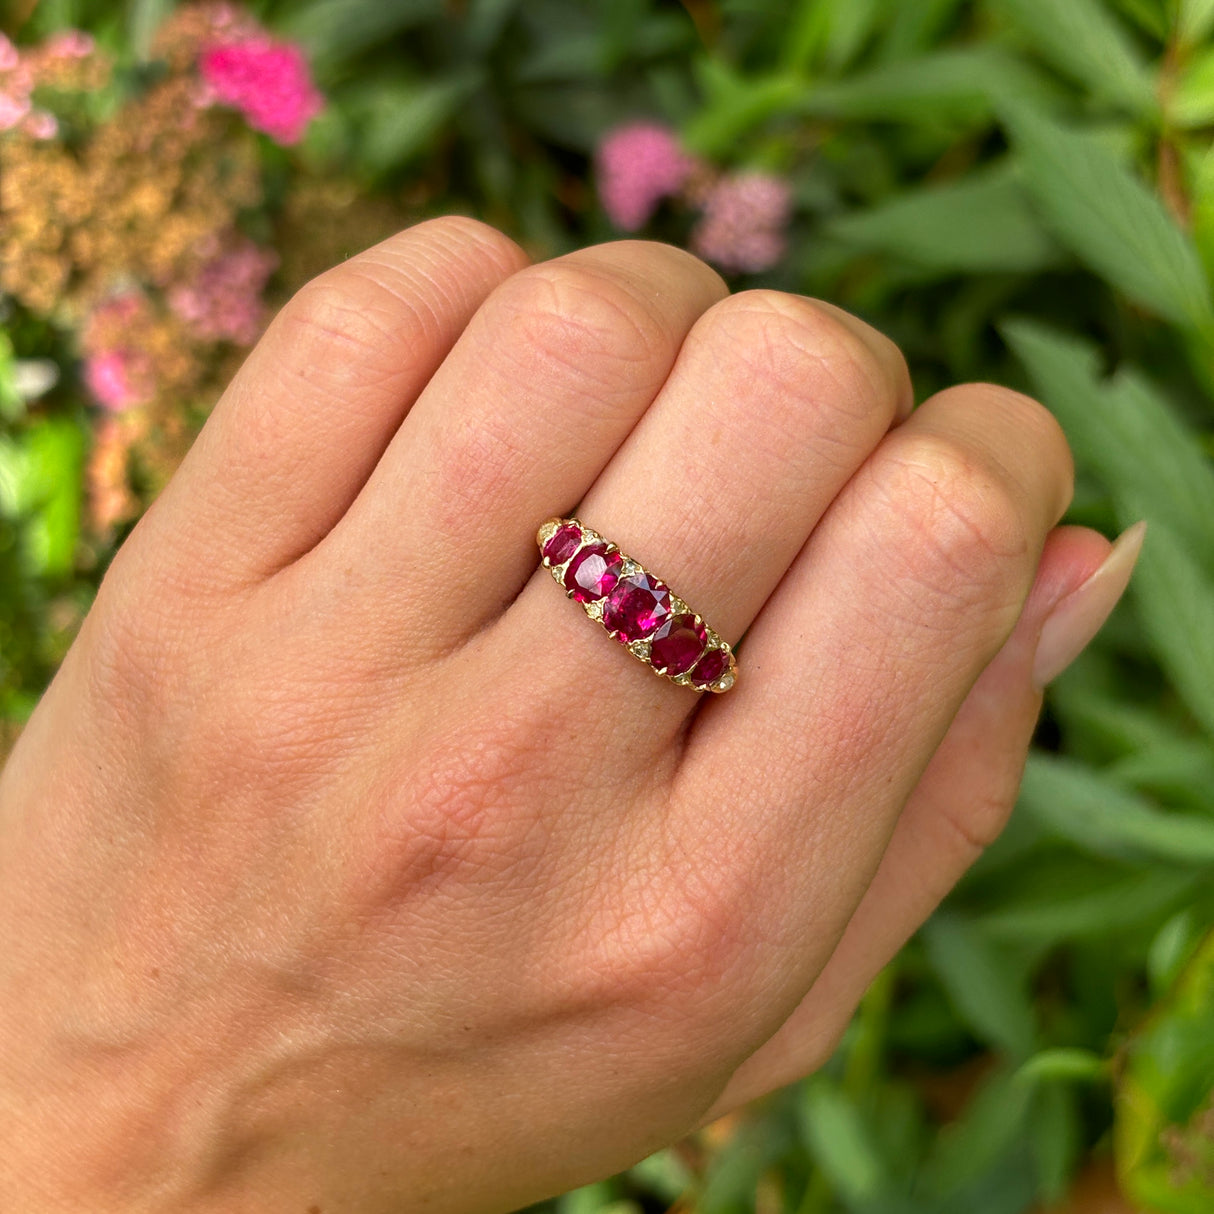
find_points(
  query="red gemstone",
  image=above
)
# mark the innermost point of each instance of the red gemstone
(592, 573)
(677, 644)
(710, 668)
(563, 544)
(637, 605)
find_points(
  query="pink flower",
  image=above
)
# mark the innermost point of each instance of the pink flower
(9, 57)
(41, 124)
(70, 44)
(638, 166)
(13, 108)
(742, 227)
(223, 302)
(267, 81)
(112, 377)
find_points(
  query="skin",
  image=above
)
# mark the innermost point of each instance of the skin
(345, 867)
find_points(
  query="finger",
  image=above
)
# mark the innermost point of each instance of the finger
(547, 381)
(303, 423)
(960, 805)
(773, 404)
(858, 664)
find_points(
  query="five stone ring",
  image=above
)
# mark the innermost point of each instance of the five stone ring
(638, 610)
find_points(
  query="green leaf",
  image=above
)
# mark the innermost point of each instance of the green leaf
(400, 119)
(664, 1175)
(1056, 1138)
(994, 1118)
(981, 983)
(1067, 902)
(1163, 1143)
(1172, 948)
(1103, 817)
(1063, 1063)
(12, 407)
(1124, 429)
(56, 455)
(484, 21)
(143, 19)
(1175, 597)
(1082, 39)
(1103, 212)
(958, 85)
(1195, 21)
(841, 1145)
(1149, 15)
(1191, 103)
(980, 224)
(333, 31)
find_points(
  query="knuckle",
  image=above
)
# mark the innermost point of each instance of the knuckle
(797, 347)
(346, 327)
(971, 827)
(467, 814)
(668, 938)
(960, 529)
(461, 231)
(136, 641)
(581, 319)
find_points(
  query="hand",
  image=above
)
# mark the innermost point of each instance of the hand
(346, 867)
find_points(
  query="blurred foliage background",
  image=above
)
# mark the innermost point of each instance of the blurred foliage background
(1016, 190)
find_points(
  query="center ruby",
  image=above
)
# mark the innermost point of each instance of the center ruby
(592, 573)
(677, 644)
(637, 605)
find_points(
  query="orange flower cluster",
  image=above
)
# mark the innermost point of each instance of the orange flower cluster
(125, 230)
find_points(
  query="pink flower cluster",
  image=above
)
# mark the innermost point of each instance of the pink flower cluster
(19, 76)
(118, 375)
(639, 165)
(223, 301)
(267, 81)
(743, 222)
(743, 218)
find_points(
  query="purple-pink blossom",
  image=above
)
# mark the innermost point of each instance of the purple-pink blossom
(223, 301)
(267, 81)
(639, 165)
(13, 108)
(70, 44)
(113, 378)
(742, 228)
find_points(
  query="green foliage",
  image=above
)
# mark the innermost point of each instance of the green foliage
(1014, 190)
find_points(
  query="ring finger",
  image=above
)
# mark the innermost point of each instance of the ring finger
(774, 402)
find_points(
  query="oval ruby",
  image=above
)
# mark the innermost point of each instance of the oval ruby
(677, 644)
(592, 573)
(637, 606)
(563, 543)
(710, 668)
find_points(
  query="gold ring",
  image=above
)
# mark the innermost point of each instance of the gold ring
(637, 609)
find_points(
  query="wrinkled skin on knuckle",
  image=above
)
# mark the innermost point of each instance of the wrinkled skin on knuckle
(953, 532)
(345, 329)
(667, 940)
(468, 236)
(581, 326)
(468, 811)
(795, 349)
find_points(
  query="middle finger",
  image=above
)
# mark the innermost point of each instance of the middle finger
(774, 402)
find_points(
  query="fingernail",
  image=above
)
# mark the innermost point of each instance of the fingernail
(1078, 618)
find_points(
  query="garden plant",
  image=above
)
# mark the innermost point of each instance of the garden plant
(1013, 190)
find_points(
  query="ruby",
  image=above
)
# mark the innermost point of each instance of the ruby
(638, 604)
(563, 543)
(710, 668)
(593, 573)
(677, 644)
